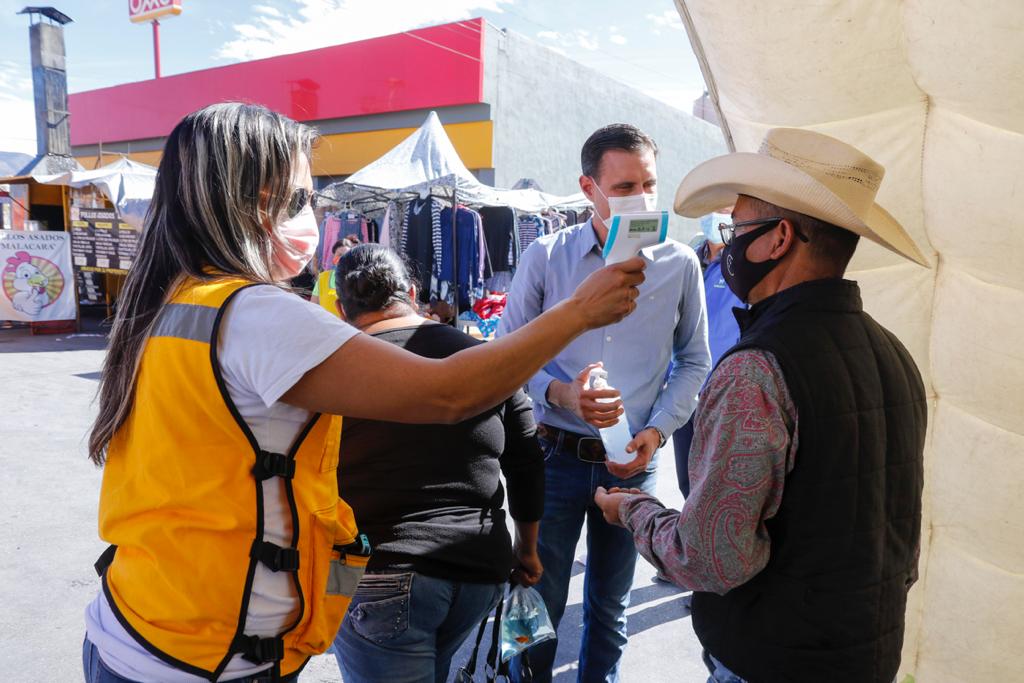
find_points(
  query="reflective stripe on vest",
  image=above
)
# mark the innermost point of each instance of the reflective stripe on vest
(181, 502)
(186, 321)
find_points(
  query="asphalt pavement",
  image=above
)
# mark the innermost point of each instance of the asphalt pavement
(49, 492)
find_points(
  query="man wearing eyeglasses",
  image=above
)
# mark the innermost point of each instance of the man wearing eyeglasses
(801, 534)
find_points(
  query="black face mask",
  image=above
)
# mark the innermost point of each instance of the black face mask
(740, 274)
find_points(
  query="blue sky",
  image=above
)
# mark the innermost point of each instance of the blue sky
(641, 42)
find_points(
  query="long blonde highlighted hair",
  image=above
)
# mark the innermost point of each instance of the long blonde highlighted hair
(226, 170)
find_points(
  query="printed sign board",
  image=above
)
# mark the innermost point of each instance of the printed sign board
(149, 10)
(36, 282)
(101, 242)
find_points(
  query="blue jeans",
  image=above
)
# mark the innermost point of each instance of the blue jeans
(681, 442)
(97, 672)
(720, 673)
(611, 559)
(405, 627)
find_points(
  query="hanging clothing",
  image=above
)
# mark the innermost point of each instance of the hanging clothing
(485, 260)
(417, 242)
(385, 225)
(329, 230)
(499, 282)
(530, 228)
(463, 271)
(352, 225)
(499, 226)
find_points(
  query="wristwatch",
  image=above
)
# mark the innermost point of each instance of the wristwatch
(661, 435)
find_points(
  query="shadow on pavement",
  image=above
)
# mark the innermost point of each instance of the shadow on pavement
(92, 336)
(570, 630)
(23, 341)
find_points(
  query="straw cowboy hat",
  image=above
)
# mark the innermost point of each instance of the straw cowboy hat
(802, 171)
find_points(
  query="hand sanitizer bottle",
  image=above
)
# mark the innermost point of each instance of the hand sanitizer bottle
(618, 436)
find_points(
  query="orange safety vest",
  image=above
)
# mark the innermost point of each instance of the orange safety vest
(182, 506)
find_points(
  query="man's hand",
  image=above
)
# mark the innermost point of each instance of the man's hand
(529, 568)
(609, 502)
(645, 445)
(583, 402)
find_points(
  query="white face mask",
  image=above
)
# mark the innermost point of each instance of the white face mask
(295, 243)
(711, 231)
(634, 203)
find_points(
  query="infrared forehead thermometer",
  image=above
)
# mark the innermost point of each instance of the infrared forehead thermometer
(628, 233)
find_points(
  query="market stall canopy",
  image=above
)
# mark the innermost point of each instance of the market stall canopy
(933, 91)
(12, 162)
(127, 184)
(427, 160)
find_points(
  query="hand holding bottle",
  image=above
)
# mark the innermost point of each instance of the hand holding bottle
(599, 407)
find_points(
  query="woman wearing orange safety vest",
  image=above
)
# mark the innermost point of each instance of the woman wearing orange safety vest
(231, 556)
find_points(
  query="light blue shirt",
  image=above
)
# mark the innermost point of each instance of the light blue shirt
(668, 325)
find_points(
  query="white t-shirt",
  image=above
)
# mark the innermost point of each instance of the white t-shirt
(269, 339)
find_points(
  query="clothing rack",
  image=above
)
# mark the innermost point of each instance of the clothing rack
(365, 200)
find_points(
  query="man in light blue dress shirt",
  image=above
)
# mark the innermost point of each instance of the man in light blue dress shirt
(668, 326)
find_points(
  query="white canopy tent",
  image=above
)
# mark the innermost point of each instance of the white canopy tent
(427, 161)
(127, 184)
(934, 91)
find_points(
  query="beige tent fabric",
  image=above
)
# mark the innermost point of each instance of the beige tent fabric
(933, 90)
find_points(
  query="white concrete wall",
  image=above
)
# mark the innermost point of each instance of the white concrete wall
(546, 105)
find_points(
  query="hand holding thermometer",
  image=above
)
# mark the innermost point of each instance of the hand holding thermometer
(628, 233)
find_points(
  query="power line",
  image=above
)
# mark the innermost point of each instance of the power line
(439, 45)
(602, 51)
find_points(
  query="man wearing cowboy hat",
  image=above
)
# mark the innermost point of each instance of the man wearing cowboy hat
(801, 533)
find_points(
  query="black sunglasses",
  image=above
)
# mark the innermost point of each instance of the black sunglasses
(300, 198)
(728, 230)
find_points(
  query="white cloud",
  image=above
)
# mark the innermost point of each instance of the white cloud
(320, 23)
(268, 10)
(617, 39)
(575, 38)
(17, 109)
(586, 40)
(667, 19)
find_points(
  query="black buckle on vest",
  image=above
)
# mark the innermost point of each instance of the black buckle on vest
(360, 547)
(259, 650)
(273, 465)
(274, 557)
(104, 560)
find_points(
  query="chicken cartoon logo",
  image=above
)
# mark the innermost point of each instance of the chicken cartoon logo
(31, 283)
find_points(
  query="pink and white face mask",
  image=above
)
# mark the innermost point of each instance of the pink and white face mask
(295, 242)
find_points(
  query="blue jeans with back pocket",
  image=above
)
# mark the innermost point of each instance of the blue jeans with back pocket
(405, 627)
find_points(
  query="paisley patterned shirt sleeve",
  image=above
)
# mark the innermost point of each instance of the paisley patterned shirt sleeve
(745, 439)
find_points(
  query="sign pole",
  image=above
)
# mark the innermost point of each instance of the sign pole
(156, 47)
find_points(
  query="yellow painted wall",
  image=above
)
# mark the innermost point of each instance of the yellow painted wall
(345, 153)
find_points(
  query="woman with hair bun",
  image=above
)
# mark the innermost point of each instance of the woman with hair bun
(429, 498)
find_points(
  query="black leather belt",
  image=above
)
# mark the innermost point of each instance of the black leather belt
(587, 448)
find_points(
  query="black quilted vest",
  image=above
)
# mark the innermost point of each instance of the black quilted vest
(829, 606)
